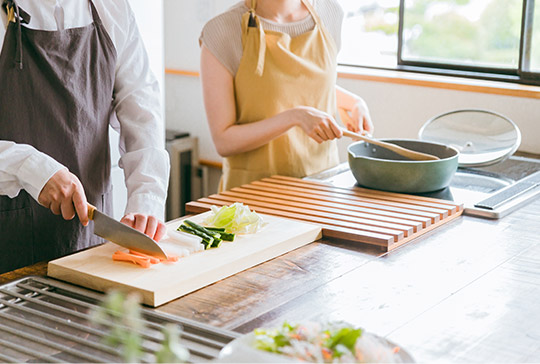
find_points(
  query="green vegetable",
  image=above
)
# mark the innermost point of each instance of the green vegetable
(207, 240)
(172, 351)
(120, 316)
(202, 229)
(216, 243)
(346, 336)
(236, 218)
(223, 235)
(213, 228)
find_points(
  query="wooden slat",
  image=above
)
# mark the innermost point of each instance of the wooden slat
(356, 214)
(343, 205)
(346, 200)
(360, 191)
(406, 229)
(397, 234)
(312, 208)
(344, 233)
(318, 191)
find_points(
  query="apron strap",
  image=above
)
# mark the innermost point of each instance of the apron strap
(9, 5)
(95, 15)
(13, 10)
(312, 11)
(250, 20)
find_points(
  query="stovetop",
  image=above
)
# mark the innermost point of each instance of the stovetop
(489, 192)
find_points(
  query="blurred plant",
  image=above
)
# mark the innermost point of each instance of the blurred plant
(121, 314)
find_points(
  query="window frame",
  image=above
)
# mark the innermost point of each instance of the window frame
(514, 75)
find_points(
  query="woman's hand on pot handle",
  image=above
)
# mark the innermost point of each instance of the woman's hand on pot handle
(64, 195)
(317, 124)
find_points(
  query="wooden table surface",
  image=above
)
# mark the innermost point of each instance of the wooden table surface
(468, 291)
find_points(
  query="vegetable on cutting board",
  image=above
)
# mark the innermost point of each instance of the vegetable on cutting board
(141, 259)
(236, 218)
(211, 236)
(223, 223)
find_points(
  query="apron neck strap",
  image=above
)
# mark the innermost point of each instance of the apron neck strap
(95, 15)
(250, 20)
(19, 15)
(10, 8)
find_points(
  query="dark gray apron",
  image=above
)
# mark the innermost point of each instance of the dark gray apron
(56, 90)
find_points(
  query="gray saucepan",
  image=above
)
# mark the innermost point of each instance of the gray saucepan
(381, 169)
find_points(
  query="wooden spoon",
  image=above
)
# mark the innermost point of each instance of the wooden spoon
(411, 154)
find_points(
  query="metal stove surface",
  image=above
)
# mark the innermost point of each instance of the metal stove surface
(490, 192)
(45, 320)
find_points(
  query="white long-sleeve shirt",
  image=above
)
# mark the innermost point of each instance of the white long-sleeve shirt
(137, 107)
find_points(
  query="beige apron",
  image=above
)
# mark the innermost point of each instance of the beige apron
(277, 73)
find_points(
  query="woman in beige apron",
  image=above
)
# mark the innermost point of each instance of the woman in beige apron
(276, 115)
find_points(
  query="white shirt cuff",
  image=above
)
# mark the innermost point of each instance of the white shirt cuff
(35, 172)
(146, 204)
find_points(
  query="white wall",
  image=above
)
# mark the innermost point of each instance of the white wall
(150, 24)
(397, 110)
(184, 108)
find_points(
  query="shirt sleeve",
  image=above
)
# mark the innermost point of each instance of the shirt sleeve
(24, 167)
(222, 36)
(138, 109)
(332, 16)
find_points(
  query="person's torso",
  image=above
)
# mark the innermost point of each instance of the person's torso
(56, 91)
(220, 35)
(278, 72)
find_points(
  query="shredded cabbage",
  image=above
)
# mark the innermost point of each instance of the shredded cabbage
(237, 218)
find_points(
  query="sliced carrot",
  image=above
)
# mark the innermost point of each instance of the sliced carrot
(153, 260)
(125, 257)
(171, 258)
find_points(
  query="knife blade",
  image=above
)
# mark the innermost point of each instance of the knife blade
(123, 235)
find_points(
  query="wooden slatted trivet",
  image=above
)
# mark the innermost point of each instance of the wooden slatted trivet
(357, 214)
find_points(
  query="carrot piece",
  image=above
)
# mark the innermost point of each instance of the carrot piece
(125, 257)
(153, 260)
(172, 258)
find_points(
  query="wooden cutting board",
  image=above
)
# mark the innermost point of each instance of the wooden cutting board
(357, 214)
(94, 268)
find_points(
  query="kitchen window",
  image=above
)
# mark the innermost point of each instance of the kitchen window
(486, 39)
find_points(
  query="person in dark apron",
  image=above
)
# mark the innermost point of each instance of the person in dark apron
(56, 91)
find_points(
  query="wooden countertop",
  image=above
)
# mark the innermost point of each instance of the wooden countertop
(468, 291)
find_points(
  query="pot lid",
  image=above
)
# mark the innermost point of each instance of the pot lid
(482, 137)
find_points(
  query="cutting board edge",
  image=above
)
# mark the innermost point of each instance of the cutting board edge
(243, 264)
(61, 269)
(73, 276)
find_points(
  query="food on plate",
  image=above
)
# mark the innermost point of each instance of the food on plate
(325, 343)
(236, 218)
(141, 259)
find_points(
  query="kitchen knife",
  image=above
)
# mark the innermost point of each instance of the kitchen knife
(123, 235)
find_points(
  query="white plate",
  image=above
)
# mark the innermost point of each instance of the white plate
(241, 351)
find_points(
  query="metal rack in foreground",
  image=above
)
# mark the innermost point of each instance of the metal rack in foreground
(44, 320)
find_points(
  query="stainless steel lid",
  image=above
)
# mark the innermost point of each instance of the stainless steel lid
(482, 137)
